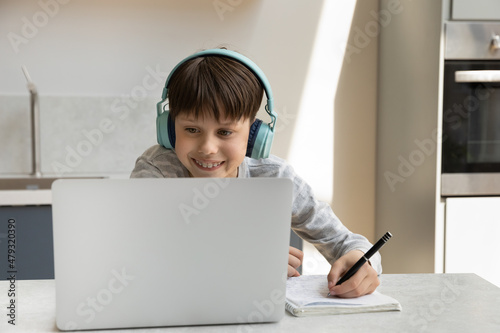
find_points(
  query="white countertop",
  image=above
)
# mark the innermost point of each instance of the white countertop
(431, 303)
(25, 197)
(40, 197)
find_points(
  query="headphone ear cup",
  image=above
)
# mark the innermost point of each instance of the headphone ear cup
(165, 130)
(254, 129)
(260, 140)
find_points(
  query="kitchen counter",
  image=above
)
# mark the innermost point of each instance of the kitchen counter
(431, 303)
(25, 197)
(40, 197)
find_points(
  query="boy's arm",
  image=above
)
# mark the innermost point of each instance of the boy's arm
(315, 222)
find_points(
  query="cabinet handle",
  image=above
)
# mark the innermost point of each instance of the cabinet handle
(477, 76)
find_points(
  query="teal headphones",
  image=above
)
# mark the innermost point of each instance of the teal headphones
(261, 134)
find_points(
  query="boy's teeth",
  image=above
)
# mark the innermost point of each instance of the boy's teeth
(208, 165)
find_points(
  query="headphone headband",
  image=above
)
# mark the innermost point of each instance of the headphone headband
(243, 60)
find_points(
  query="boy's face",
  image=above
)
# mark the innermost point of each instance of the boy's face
(211, 148)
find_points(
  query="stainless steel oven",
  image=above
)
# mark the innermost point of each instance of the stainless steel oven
(471, 110)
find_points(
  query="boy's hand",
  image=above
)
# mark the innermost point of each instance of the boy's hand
(365, 281)
(295, 257)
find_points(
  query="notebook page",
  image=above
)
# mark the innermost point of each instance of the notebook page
(313, 290)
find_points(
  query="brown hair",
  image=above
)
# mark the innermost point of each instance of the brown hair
(217, 85)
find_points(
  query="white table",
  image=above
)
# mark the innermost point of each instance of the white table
(431, 303)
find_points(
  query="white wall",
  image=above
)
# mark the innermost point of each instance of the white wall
(355, 123)
(88, 53)
(109, 48)
(410, 68)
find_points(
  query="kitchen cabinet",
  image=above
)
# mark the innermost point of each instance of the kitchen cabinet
(475, 10)
(472, 235)
(26, 242)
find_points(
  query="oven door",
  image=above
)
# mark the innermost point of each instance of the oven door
(471, 127)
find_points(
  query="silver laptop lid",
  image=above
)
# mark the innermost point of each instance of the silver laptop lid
(167, 252)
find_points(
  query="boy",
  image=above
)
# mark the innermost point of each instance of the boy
(213, 101)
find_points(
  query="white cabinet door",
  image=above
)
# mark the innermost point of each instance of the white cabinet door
(475, 10)
(473, 236)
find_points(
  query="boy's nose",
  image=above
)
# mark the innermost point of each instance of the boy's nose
(208, 145)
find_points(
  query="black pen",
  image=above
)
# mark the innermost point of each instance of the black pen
(364, 258)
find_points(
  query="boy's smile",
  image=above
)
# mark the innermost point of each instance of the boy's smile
(208, 147)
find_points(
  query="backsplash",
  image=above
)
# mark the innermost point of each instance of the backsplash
(78, 134)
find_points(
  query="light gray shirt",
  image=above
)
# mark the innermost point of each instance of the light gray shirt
(312, 220)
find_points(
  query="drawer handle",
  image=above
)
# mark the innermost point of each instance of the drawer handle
(477, 76)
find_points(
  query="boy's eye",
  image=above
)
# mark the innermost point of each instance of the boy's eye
(224, 132)
(191, 130)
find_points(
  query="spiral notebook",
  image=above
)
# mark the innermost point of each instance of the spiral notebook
(306, 295)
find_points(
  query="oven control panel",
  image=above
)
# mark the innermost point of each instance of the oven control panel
(472, 40)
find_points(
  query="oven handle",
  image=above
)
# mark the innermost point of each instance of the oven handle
(477, 76)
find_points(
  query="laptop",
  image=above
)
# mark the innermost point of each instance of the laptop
(170, 252)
